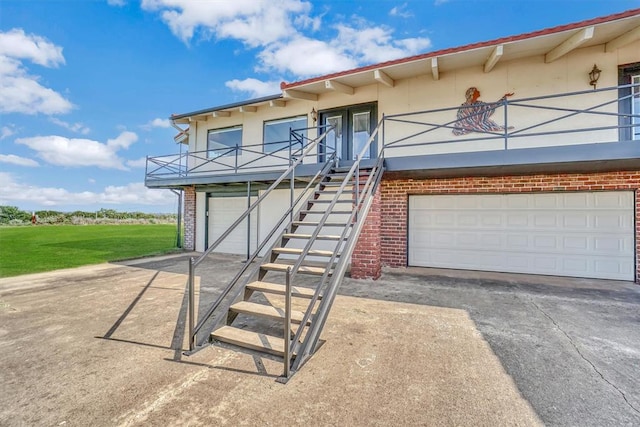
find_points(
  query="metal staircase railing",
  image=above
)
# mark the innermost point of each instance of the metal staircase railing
(296, 347)
(238, 285)
(363, 199)
(289, 174)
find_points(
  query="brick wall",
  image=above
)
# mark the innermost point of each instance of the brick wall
(395, 196)
(189, 218)
(366, 257)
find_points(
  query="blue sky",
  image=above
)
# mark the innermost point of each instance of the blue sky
(86, 87)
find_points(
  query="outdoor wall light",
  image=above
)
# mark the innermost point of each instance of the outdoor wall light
(314, 115)
(594, 75)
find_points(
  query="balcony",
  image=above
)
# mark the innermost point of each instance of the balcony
(239, 163)
(583, 131)
(578, 131)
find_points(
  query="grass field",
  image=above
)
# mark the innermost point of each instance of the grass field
(36, 249)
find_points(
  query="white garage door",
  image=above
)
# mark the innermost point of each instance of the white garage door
(585, 234)
(223, 211)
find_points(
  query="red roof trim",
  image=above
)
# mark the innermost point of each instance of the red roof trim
(547, 31)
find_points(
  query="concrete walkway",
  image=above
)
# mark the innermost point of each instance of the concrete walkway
(101, 345)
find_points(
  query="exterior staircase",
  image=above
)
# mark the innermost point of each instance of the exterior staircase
(279, 301)
(298, 268)
(302, 269)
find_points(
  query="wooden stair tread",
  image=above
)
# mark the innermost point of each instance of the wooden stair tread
(331, 200)
(337, 183)
(251, 340)
(345, 191)
(333, 212)
(297, 251)
(278, 289)
(304, 269)
(308, 236)
(262, 310)
(363, 172)
(316, 223)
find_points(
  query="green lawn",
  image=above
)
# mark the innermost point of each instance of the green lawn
(32, 249)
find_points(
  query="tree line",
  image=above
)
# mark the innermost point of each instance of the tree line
(12, 215)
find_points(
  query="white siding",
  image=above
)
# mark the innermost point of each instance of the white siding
(224, 211)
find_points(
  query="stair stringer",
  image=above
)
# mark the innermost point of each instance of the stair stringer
(216, 314)
(221, 314)
(308, 347)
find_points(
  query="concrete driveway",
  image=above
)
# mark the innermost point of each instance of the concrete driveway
(101, 345)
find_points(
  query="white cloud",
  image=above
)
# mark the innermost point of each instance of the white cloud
(439, 2)
(12, 192)
(280, 30)
(7, 131)
(255, 88)
(21, 92)
(61, 151)
(319, 57)
(371, 44)
(308, 22)
(401, 11)
(91, 181)
(17, 160)
(139, 163)
(73, 127)
(118, 3)
(16, 44)
(157, 123)
(355, 45)
(254, 22)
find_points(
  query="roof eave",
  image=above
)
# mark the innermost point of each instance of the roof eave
(465, 48)
(226, 107)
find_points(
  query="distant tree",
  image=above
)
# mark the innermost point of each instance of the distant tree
(44, 214)
(108, 213)
(9, 213)
(81, 214)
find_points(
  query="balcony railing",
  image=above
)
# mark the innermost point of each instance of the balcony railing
(239, 159)
(585, 117)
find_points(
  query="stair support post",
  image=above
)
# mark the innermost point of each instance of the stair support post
(248, 220)
(357, 187)
(291, 193)
(287, 325)
(192, 298)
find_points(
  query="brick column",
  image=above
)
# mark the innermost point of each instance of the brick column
(366, 258)
(190, 218)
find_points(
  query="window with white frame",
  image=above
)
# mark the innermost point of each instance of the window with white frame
(635, 107)
(224, 142)
(276, 133)
(629, 102)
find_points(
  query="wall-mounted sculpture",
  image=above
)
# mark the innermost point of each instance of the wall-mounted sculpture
(475, 115)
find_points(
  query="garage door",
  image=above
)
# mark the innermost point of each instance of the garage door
(585, 234)
(223, 211)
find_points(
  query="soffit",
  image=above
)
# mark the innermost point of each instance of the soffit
(474, 56)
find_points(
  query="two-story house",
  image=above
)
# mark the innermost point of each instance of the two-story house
(520, 154)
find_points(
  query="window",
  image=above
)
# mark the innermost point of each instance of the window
(276, 133)
(222, 142)
(629, 106)
(361, 132)
(635, 106)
